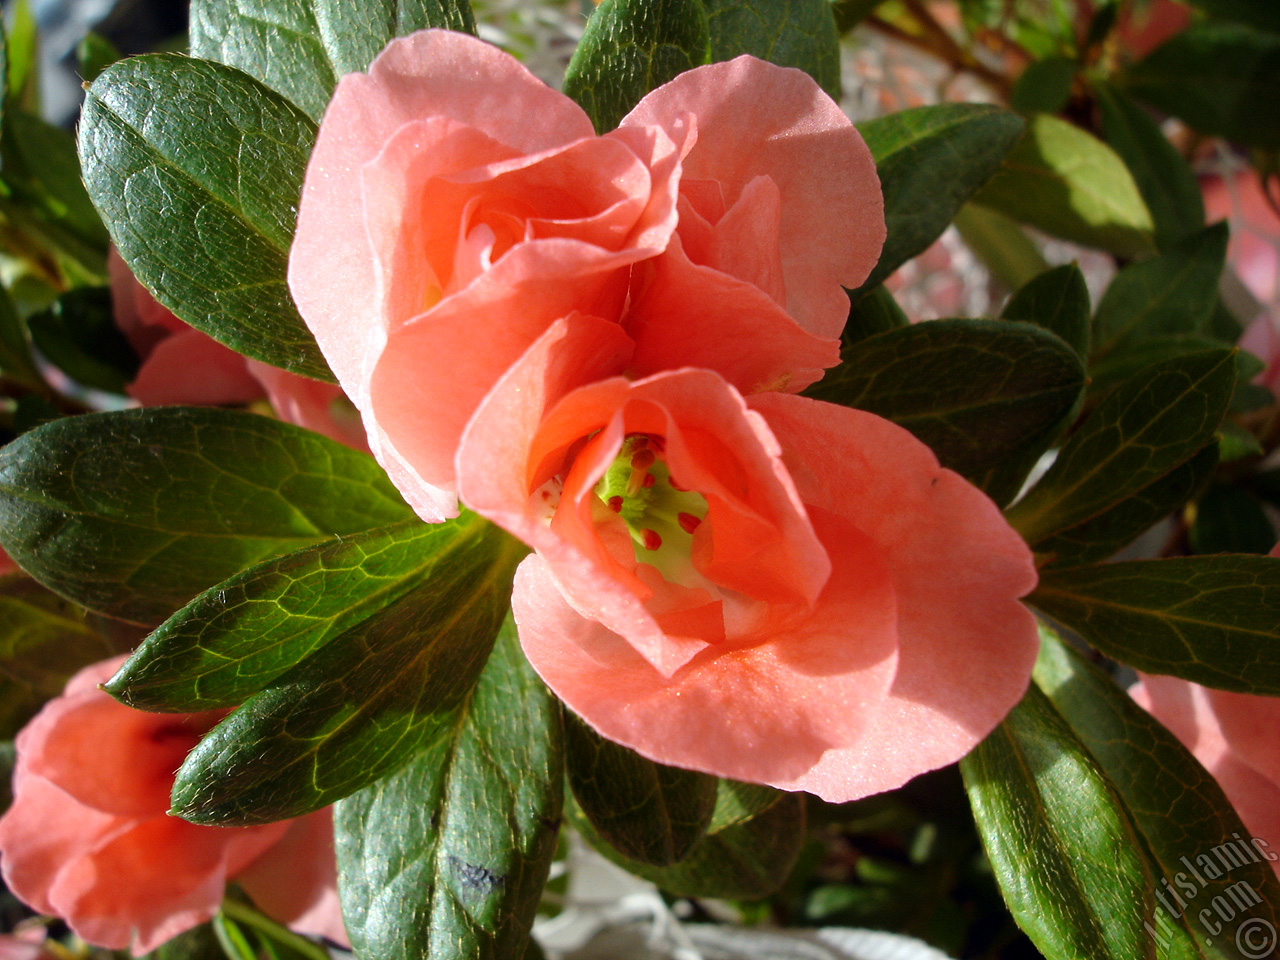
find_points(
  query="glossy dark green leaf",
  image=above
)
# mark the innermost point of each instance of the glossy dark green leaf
(1057, 300)
(1172, 294)
(750, 847)
(134, 513)
(447, 857)
(236, 637)
(1100, 536)
(44, 640)
(43, 193)
(1141, 431)
(1231, 520)
(1165, 179)
(872, 312)
(79, 336)
(975, 391)
(1136, 359)
(300, 48)
(1072, 185)
(1059, 839)
(646, 811)
(930, 161)
(197, 169)
(790, 33)
(1192, 836)
(630, 47)
(364, 704)
(849, 13)
(1220, 78)
(1212, 620)
(1044, 87)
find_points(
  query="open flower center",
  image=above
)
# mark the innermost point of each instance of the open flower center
(660, 515)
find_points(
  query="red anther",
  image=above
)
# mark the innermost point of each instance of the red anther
(642, 459)
(615, 504)
(648, 481)
(651, 539)
(688, 522)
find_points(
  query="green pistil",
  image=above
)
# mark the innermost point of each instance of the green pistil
(660, 517)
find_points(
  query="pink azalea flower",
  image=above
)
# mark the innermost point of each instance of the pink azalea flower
(1233, 736)
(182, 365)
(88, 838)
(455, 208)
(768, 588)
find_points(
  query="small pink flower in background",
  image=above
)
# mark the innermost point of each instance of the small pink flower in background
(1233, 735)
(182, 365)
(1262, 338)
(88, 838)
(767, 588)
(25, 943)
(444, 226)
(1254, 247)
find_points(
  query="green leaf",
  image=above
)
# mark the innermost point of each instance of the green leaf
(1136, 359)
(1262, 14)
(1100, 536)
(79, 336)
(22, 57)
(974, 391)
(1212, 620)
(872, 312)
(1189, 831)
(644, 810)
(1002, 245)
(1044, 87)
(364, 704)
(1220, 78)
(1059, 839)
(133, 513)
(750, 847)
(930, 161)
(1167, 182)
(1171, 294)
(630, 47)
(1057, 300)
(300, 47)
(246, 927)
(1236, 443)
(235, 638)
(43, 192)
(447, 858)
(1231, 520)
(1141, 431)
(1068, 183)
(44, 640)
(16, 362)
(790, 33)
(197, 170)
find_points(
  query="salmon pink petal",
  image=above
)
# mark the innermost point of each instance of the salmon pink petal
(150, 883)
(966, 645)
(191, 367)
(432, 73)
(755, 119)
(296, 880)
(764, 713)
(432, 376)
(1248, 724)
(321, 407)
(65, 744)
(690, 315)
(43, 831)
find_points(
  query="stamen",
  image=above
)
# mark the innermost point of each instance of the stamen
(643, 459)
(651, 539)
(688, 522)
(648, 481)
(615, 504)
